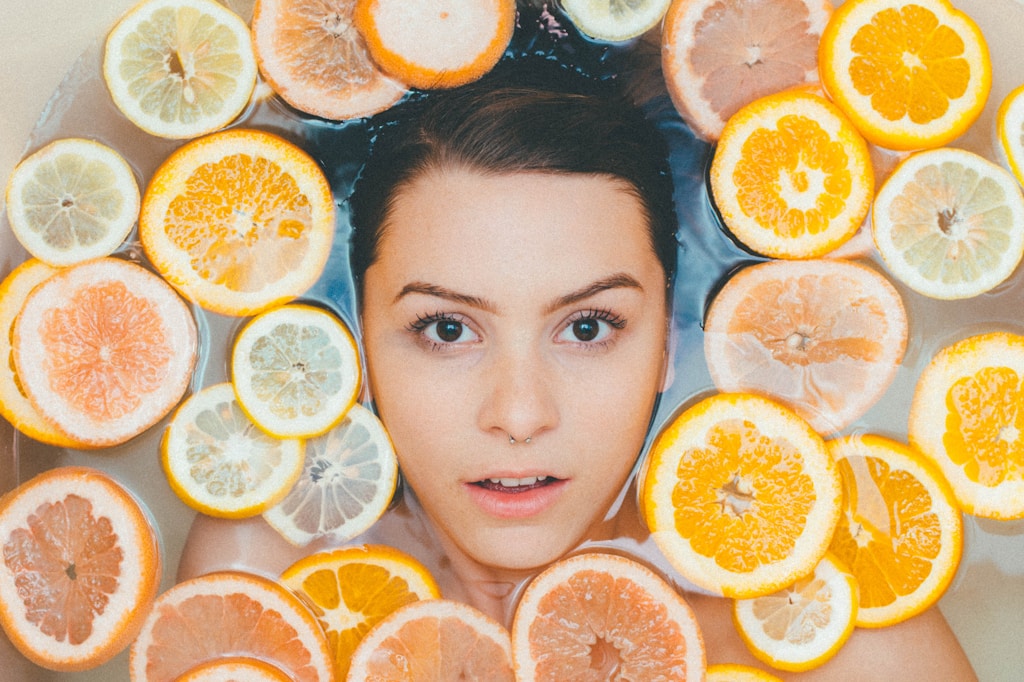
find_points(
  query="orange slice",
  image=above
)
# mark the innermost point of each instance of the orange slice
(239, 221)
(234, 669)
(735, 672)
(180, 68)
(791, 177)
(824, 337)
(718, 57)
(804, 625)
(603, 616)
(900, 534)
(229, 614)
(81, 567)
(1010, 132)
(434, 639)
(949, 223)
(311, 54)
(613, 20)
(349, 476)
(910, 74)
(967, 416)
(218, 462)
(104, 350)
(351, 590)
(466, 39)
(740, 495)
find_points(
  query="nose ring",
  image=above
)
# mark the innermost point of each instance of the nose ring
(513, 441)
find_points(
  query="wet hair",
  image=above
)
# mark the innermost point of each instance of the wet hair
(524, 116)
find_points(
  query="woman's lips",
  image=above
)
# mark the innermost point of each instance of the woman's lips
(509, 497)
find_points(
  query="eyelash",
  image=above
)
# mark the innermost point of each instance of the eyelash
(614, 320)
(423, 321)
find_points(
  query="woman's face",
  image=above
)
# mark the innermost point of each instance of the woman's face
(527, 305)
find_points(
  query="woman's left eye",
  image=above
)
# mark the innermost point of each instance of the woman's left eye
(591, 327)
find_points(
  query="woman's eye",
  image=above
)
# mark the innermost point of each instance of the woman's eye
(586, 330)
(590, 328)
(448, 331)
(441, 331)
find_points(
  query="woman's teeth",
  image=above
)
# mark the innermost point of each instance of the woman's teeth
(517, 482)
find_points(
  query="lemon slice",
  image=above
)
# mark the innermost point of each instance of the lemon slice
(1010, 132)
(949, 223)
(347, 481)
(73, 200)
(180, 68)
(615, 20)
(295, 370)
(220, 463)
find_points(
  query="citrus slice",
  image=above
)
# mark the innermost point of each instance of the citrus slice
(104, 350)
(791, 177)
(910, 74)
(1010, 132)
(229, 614)
(614, 20)
(740, 495)
(295, 370)
(801, 626)
(466, 39)
(901, 533)
(967, 416)
(718, 57)
(180, 68)
(81, 567)
(949, 223)
(239, 221)
(735, 672)
(602, 616)
(824, 337)
(72, 200)
(311, 54)
(234, 669)
(434, 639)
(350, 590)
(348, 478)
(220, 463)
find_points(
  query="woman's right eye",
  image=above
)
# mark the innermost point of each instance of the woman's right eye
(444, 330)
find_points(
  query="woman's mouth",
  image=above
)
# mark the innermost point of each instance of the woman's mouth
(515, 485)
(517, 497)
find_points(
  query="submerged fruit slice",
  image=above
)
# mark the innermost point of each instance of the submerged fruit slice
(466, 39)
(434, 639)
(234, 669)
(804, 625)
(602, 616)
(900, 534)
(72, 200)
(719, 56)
(239, 221)
(180, 68)
(740, 495)
(350, 590)
(220, 463)
(348, 478)
(734, 672)
(229, 614)
(825, 337)
(791, 177)
(104, 349)
(80, 569)
(295, 370)
(967, 416)
(910, 74)
(1010, 132)
(311, 54)
(614, 20)
(949, 223)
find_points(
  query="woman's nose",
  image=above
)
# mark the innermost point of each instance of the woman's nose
(520, 399)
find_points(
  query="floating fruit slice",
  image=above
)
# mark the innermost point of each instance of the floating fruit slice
(734, 672)
(791, 177)
(967, 416)
(180, 68)
(295, 370)
(348, 479)
(802, 626)
(311, 54)
(603, 616)
(614, 20)
(900, 534)
(234, 669)
(104, 350)
(466, 39)
(72, 200)
(239, 221)
(909, 74)
(350, 590)
(1010, 132)
(229, 614)
(824, 337)
(434, 639)
(80, 569)
(718, 57)
(220, 463)
(740, 495)
(949, 223)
